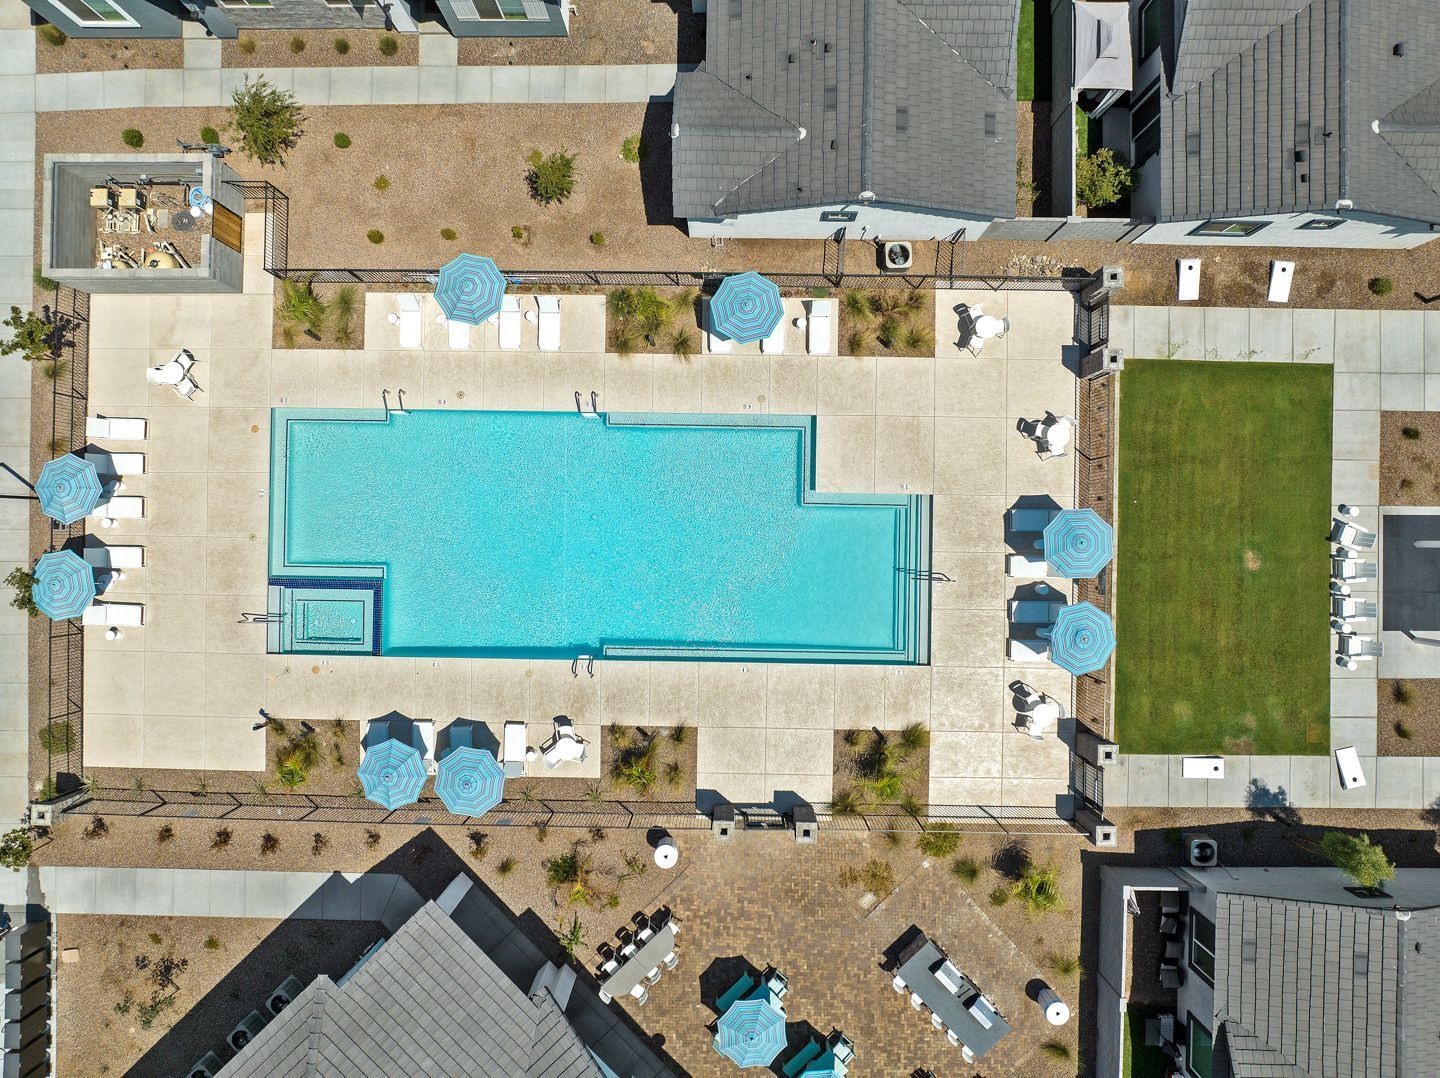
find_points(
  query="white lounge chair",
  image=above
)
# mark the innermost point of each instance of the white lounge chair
(120, 430)
(1023, 567)
(107, 463)
(1022, 650)
(1033, 611)
(1347, 760)
(115, 557)
(1281, 273)
(425, 731)
(819, 338)
(1031, 520)
(407, 321)
(512, 749)
(1343, 533)
(510, 323)
(1189, 287)
(457, 331)
(1343, 567)
(127, 615)
(774, 344)
(120, 507)
(718, 345)
(548, 328)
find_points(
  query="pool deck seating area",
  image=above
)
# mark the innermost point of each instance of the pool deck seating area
(184, 691)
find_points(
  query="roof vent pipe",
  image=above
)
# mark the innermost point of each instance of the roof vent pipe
(1402, 915)
(674, 130)
(802, 135)
(1399, 49)
(1344, 204)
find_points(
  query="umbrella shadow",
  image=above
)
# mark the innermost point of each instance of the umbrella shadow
(720, 976)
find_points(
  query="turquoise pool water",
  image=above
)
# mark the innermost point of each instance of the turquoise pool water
(550, 534)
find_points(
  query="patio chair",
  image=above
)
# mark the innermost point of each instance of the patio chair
(776, 982)
(1281, 274)
(898, 983)
(406, 320)
(425, 734)
(627, 949)
(937, 1021)
(120, 507)
(1033, 611)
(1024, 567)
(841, 1046)
(120, 430)
(513, 750)
(774, 344)
(734, 992)
(186, 387)
(653, 977)
(644, 933)
(967, 1055)
(641, 994)
(548, 327)
(114, 557)
(1344, 566)
(1171, 975)
(457, 332)
(1343, 533)
(1353, 609)
(1027, 521)
(1027, 650)
(819, 339)
(164, 375)
(564, 746)
(916, 1002)
(1189, 273)
(671, 960)
(510, 323)
(1359, 647)
(120, 464)
(718, 345)
(128, 615)
(951, 1036)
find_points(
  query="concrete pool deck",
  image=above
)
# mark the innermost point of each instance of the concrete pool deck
(185, 690)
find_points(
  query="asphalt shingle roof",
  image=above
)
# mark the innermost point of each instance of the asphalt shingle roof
(811, 102)
(1272, 105)
(1309, 989)
(429, 1002)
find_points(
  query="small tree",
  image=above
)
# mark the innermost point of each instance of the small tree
(23, 581)
(1102, 178)
(15, 848)
(551, 178)
(267, 119)
(30, 335)
(1358, 858)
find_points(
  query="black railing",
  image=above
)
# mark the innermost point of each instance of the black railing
(529, 812)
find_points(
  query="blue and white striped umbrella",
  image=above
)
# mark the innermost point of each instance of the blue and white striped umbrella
(469, 289)
(1081, 639)
(470, 781)
(392, 774)
(746, 307)
(1078, 544)
(68, 488)
(751, 1032)
(64, 585)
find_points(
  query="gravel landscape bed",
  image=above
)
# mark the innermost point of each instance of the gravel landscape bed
(617, 32)
(1409, 717)
(1409, 458)
(273, 49)
(107, 54)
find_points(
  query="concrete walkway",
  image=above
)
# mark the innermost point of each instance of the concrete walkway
(1381, 360)
(17, 245)
(187, 892)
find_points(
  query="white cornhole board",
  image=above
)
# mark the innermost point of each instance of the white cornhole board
(1202, 767)
(1348, 761)
(1189, 284)
(1280, 275)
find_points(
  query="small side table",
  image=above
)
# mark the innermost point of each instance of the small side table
(666, 853)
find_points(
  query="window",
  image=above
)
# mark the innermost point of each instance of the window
(1200, 1050)
(1202, 946)
(96, 13)
(481, 10)
(245, 3)
(1321, 223)
(1149, 27)
(1222, 227)
(1145, 125)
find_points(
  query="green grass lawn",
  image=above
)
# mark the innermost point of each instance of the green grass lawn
(1222, 608)
(1142, 1060)
(1025, 53)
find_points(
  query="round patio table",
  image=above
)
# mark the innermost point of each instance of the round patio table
(666, 854)
(170, 373)
(987, 326)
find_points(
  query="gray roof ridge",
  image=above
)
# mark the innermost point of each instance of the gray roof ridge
(947, 43)
(1195, 82)
(790, 130)
(1409, 167)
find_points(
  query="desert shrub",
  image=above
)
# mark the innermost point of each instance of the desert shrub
(875, 875)
(319, 843)
(1411, 433)
(479, 845)
(212, 943)
(372, 839)
(57, 737)
(51, 35)
(938, 840)
(1358, 858)
(15, 847)
(1102, 178)
(344, 310)
(1381, 286)
(518, 232)
(387, 45)
(506, 866)
(165, 834)
(42, 282)
(300, 308)
(1403, 694)
(999, 896)
(342, 140)
(156, 938)
(1063, 965)
(296, 758)
(209, 134)
(633, 150)
(342, 45)
(267, 120)
(375, 236)
(132, 137)
(598, 239)
(269, 843)
(965, 869)
(1059, 1051)
(448, 234)
(1039, 888)
(96, 828)
(1403, 731)
(247, 45)
(845, 803)
(222, 839)
(551, 177)
(381, 183)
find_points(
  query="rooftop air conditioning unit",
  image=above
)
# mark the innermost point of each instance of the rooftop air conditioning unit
(246, 1031)
(1204, 851)
(281, 997)
(206, 1067)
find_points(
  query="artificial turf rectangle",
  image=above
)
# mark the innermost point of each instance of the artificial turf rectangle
(1025, 53)
(1222, 572)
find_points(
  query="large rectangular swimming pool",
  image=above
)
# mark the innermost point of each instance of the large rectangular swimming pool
(547, 534)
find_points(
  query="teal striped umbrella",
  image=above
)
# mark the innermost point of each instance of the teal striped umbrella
(1078, 544)
(746, 307)
(1081, 639)
(392, 774)
(68, 488)
(751, 1032)
(470, 781)
(64, 585)
(469, 289)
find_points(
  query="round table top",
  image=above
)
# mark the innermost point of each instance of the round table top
(666, 854)
(171, 370)
(987, 325)
(1045, 711)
